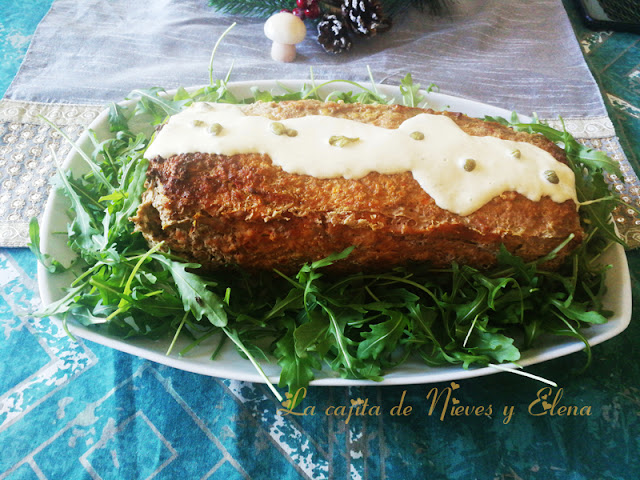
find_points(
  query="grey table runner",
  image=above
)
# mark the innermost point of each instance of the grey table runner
(519, 55)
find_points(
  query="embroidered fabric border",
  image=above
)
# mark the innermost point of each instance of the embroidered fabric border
(13, 111)
(27, 162)
(592, 127)
(27, 148)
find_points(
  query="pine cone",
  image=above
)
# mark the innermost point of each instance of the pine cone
(333, 34)
(365, 17)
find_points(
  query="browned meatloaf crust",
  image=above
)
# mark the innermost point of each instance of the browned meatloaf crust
(242, 210)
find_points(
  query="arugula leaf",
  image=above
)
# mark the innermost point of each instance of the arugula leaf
(499, 348)
(297, 369)
(51, 264)
(327, 261)
(194, 291)
(292, 301)
(410, 92)
(82, 231)
(384, 336)
(117, 118)
(580, 312)
(159, 107)
(235, 338)
(63, 304)
(307, 336)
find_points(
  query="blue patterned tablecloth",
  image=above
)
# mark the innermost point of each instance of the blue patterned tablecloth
(76, 410)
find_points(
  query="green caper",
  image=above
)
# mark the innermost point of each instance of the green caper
(551, 176)
(291, 132)
(417, 135)
(278, 128)
(516, 153)
(469, 165)
(342, 141)
(199, 123)
(215, 129)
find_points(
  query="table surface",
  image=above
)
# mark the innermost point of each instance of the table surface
(70, 416)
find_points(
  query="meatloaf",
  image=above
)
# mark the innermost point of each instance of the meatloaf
(243, 210)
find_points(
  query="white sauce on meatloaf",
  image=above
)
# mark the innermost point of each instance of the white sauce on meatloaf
(459, 171)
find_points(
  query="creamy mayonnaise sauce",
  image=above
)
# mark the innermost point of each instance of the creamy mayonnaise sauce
(437, 162)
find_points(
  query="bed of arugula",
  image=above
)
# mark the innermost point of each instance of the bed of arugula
(361, 325)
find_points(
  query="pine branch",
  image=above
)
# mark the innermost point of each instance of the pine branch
(434, 7)
(394, 7)
(252, 8)
(266, 8)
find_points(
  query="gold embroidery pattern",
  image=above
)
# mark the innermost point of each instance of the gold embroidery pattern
(26, 160)
(627, 187)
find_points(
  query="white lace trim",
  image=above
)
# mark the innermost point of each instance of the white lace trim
(14, 234)
(592, 127)
(60, 114)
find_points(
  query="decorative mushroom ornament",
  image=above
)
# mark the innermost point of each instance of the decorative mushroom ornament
(285, 30)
